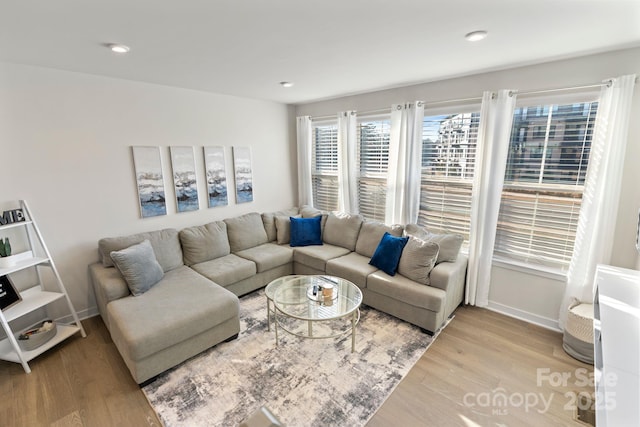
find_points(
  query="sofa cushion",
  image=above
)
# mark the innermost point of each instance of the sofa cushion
(226, 270)
(406, 290)
(449, 243)
(305, 231)
(183, 304)
(138, 266)
(388, 252)
(370, 235)
(204, 242)
(418, 259)
(353, 267)
(165, 243)
(316, 257)
(310, 212)
(267, 256)
(283, 229)
(342, 230)
(269, 218)
(246, 231)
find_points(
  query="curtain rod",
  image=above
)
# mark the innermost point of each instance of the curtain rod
(387, 110)
(364, 113)
(606, 83)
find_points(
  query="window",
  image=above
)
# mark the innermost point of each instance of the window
(448, 161)
(324, 165)
(543, 183)
(373, 163)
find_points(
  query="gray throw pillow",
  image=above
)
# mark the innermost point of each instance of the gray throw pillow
(269, 221)
(283, 228)
(418, 259)
(138, 266)
(449, 243)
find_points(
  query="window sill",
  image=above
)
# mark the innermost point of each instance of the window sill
(542, 271)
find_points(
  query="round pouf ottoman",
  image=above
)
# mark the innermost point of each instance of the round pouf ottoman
(578, 333)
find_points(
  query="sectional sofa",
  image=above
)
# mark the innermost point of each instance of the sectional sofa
(198, 273)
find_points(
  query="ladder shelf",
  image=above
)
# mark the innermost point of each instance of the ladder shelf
(35, 297)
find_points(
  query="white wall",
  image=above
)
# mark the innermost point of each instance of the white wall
(533, 297)
(65, 147)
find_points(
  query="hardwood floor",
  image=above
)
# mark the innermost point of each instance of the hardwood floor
(480, 357)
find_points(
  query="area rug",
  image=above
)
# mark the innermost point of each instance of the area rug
(303, 382)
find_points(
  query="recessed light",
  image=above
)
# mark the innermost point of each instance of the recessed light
(475, 36)
(118, 48)
(286, 84)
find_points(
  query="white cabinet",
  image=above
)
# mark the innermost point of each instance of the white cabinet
(34, 297)
(617, 346)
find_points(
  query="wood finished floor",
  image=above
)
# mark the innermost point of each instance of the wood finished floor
(84, 382)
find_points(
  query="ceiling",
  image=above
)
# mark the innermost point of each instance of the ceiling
(328, 48)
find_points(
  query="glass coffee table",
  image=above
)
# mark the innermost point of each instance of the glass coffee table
(332, 311)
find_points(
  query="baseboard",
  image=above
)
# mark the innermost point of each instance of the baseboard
(84, 314)
(542, 321)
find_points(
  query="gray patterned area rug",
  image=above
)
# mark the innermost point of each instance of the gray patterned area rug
(303, 382)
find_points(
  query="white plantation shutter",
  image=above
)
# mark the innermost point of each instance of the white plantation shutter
(373, 163)
(324, 165)
(544, 180)
(448, 161)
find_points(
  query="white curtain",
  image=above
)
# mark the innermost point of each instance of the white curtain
(305, 187)
(496, 114)
(347, 173)
(403, 178)
(598, 214)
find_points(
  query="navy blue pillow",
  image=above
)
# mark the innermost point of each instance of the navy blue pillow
(305, 231)
(387, 254)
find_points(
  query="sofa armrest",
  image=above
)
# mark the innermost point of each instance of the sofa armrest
(108, 284)
(450, 275)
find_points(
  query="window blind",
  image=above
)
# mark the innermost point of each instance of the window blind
(373, 164)
(544, 180)
(448, 161)
(325, 166)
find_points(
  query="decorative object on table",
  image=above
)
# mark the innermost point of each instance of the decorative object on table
(9, 217)
(226, 384)
(37, 335)
(184, 178)
(8, 294)
(243, 173)
(148, 168)
(323, 290)
(216, 176)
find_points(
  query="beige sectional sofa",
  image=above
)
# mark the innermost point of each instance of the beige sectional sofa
(205, 268)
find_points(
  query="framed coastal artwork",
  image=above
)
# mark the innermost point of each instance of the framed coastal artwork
(183, 166)
(243, 174)
(148, 169)
(214, 165)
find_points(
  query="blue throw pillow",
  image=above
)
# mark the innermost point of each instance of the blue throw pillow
(387, 254)
(305, 231)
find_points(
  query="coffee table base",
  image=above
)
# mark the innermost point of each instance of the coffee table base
(355, 318)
